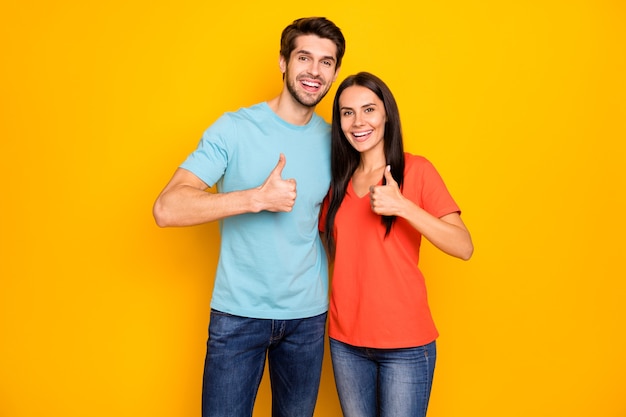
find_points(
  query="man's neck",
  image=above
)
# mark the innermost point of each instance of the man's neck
(288, 109)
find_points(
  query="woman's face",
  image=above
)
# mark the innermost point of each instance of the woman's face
(363, 118)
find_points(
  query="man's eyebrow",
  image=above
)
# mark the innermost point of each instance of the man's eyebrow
(305, 52)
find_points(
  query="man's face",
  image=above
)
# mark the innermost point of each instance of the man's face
(311, 70)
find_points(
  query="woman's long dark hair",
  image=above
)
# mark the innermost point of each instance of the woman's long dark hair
(345, 159)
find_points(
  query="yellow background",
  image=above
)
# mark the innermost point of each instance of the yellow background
(520, 105)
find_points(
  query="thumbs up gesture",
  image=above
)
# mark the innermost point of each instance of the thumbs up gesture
(278, 195)
(387, 199)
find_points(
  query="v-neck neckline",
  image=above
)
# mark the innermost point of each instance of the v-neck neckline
(354, 193)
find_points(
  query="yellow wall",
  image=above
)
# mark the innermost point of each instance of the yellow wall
(520, 105)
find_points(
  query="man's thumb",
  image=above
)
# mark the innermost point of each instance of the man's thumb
(278, 169)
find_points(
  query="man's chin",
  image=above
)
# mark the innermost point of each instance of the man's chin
(305, 99)
(311, 101)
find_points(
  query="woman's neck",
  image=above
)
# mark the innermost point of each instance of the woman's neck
(371, 162)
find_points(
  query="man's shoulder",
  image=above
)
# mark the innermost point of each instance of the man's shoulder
(319, 119)
(229, 119)
(246, 111)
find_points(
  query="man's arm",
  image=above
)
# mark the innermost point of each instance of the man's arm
(185, 202)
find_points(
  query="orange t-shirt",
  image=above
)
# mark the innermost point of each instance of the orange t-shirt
(378, 294)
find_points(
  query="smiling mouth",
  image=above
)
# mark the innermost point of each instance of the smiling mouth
(309, 85)
(361, 136)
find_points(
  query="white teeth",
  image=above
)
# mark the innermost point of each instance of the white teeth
(361, 134)
(316, 85)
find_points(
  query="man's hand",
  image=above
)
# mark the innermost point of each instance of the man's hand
(276, 193)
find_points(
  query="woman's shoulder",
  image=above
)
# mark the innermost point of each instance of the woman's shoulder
(413, 160)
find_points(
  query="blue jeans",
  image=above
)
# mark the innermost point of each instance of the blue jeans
(383, 382)
(235, 360)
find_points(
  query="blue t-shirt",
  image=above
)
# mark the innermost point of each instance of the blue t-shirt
(271, 265)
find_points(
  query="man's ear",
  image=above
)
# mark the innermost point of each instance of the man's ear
(282, 64)
(336, 74)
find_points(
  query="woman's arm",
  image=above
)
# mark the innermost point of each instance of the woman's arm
(447, 233)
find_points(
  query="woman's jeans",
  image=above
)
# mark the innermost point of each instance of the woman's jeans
(235, 360)
(383, 382)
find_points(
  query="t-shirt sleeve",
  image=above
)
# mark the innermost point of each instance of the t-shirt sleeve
(209, 160)
(434, 196)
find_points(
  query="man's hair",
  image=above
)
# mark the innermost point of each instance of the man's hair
(319, 26)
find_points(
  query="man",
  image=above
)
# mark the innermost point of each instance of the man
(271, 163)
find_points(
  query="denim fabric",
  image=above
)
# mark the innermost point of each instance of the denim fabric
(383, 382)
(235, 360)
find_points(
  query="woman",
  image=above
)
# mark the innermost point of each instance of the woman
(382, 201)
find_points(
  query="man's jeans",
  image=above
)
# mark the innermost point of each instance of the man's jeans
(235, 360)
(383, 382)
